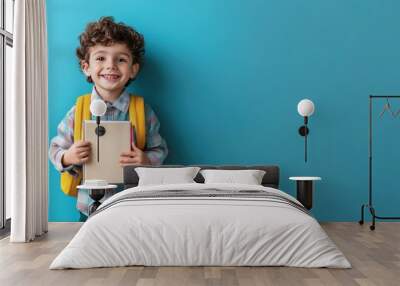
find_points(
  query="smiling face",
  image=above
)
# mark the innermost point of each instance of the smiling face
(110, 68)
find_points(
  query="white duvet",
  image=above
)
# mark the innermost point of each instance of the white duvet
(200, 231)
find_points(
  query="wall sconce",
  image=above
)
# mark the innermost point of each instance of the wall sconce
(98, 108)
(305, 108)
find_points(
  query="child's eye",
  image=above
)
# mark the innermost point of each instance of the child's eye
(123, 60)
(100, 59)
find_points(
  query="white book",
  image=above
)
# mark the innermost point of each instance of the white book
(116, 139)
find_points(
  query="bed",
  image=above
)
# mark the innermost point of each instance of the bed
(201, 224)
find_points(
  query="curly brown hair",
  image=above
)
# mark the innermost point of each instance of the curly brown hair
(106, 32)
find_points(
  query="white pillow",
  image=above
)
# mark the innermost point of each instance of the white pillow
(248, 177)
(162, 176)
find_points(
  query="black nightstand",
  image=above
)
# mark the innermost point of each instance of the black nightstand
(305, 187)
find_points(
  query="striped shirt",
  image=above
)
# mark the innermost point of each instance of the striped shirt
(156, 147)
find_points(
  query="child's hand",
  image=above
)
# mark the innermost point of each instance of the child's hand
(77, 154)
(134, 157)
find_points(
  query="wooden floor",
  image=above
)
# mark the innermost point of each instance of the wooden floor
(375, 257)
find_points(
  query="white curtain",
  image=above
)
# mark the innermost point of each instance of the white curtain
(28, 123)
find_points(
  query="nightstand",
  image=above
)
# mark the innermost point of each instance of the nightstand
(96, 193)
(305, 186)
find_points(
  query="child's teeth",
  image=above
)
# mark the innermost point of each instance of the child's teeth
(111, 76)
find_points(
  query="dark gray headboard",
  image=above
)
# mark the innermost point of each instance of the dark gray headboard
(271, 177)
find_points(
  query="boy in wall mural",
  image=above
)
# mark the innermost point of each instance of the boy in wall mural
(109, 55)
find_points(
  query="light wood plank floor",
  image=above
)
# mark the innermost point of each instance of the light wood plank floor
(375, 257)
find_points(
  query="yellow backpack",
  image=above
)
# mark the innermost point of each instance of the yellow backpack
(82, 112)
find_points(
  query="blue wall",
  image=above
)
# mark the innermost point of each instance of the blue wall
(225, 78)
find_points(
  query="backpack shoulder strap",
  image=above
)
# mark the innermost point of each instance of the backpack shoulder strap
(138, 120)
(82, 112)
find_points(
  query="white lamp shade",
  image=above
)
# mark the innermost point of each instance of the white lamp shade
(98, 107)
(305, 107)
